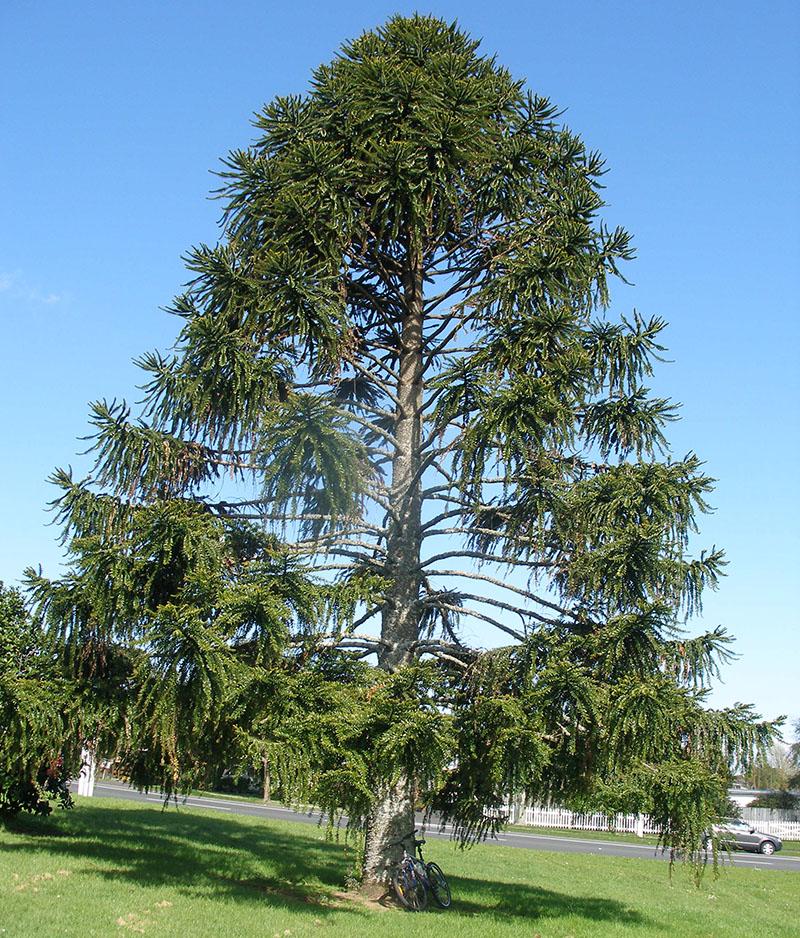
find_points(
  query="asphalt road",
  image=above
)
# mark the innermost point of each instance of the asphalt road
(111, 789)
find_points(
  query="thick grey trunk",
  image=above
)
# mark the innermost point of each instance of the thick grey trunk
(392, 818)
(393, 813)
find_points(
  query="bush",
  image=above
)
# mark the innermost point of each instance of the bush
(34, 707)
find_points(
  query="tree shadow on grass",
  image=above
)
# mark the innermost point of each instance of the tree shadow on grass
(535, 905)
(258, 861)
(193, 853)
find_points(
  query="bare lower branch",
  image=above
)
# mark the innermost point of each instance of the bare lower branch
(368, 425)
(488, 558)
(452, 513)
(383, 385)
(361, 559)
(364, 618)
(481, 616)
(326, 567)
(486, 532)
(443, 656)
(358, 642)
(345, 526)
(475, 575)
(332, 541)
(381, 364)
(497, 603)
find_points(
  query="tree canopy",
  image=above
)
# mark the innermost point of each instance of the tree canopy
(398, 511)
(36, 710)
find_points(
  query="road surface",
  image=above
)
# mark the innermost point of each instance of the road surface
(111, 789)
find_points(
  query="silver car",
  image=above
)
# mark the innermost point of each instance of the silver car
(739, 835)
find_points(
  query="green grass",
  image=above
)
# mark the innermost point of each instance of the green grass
(611, 836)
(791, 848)
(117, 868)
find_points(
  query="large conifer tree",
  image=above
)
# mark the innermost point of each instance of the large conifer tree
(453, 559)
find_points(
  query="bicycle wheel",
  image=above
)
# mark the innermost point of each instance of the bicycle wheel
(409, 889)
(439, 885)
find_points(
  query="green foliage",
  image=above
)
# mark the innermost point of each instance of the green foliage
(794, 753)
(167, 627)
(35, 714)
(404, 334)
(310, 466)
(782, 800)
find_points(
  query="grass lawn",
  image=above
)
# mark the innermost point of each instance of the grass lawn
(116, 868)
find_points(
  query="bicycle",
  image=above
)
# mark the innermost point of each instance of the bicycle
(413, 878)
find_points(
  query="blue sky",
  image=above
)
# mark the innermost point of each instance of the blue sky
(112, 116)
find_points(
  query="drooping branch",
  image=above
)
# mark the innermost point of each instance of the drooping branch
(370, 374)
(520, 591)
(483, 617)
(353, 526)
(442, 516)
(521, 611)
(488, 558)
(380, 363)
(327, 543)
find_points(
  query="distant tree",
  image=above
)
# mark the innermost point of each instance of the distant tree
(794, 754)
(399, 354)
(782, 800)
(775, 771)
(35, 715)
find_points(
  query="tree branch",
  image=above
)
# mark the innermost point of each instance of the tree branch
(475, 575)
(473, 613)
(489, 558)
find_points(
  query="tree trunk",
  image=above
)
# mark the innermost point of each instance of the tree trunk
(391, 819)
(393, 813)
(267, 778)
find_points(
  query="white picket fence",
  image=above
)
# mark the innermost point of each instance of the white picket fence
(785, 824)
(770, 822)
(564, 819)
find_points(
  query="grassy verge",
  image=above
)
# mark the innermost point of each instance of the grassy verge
(116, 868)
(584, 835)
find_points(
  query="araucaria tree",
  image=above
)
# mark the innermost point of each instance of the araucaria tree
(400, 356)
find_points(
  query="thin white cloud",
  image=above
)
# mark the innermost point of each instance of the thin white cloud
(36, 296)
(18, 288)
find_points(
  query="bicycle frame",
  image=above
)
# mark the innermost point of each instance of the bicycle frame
(417, 871)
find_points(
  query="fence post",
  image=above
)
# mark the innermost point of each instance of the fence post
(639, 825)
(86, 777)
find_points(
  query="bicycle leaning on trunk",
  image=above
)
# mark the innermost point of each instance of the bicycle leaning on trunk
(413, 879)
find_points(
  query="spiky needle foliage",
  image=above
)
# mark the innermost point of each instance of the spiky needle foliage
(400, 350)
(36, 714)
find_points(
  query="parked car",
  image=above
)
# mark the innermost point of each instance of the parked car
(739, 835)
